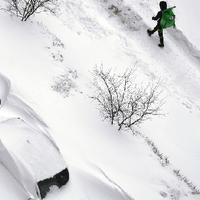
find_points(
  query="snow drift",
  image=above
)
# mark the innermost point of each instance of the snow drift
(112, 32)
(29, 154)
(4, 89)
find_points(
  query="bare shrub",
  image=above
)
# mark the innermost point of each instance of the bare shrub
(25, 8)
(122, 101)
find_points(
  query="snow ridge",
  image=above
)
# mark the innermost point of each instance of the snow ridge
(115, 184)
(4, 89)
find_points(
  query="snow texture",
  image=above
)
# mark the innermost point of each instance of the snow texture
(45, 82)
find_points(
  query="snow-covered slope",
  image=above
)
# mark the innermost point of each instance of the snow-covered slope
(26, 151)
(10, 189)
(48, 62)
(5, 89)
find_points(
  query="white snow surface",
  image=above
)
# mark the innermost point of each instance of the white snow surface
(45, 82)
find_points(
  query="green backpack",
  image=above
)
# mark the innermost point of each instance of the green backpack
(168, 18)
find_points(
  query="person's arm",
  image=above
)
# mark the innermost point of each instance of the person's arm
(158, 16)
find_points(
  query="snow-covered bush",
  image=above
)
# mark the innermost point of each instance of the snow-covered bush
(122, 101)
(25, 8)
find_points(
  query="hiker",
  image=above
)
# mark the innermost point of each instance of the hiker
(163, 6)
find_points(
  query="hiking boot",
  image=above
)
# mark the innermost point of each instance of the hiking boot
(161, 42)
(149, 32)
(161, 45)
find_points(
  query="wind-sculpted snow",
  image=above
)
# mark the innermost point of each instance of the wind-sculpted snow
(26, 154)
(31, 146)
(4, 89)
(10, 188)
(92, 180)
(19, 109)
(187, 45)
(15, 107)
(25, 143)
(115, 185)
(18, 171)
(113, 33)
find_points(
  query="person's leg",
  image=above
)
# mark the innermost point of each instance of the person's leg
(153, 31)
(160, 33)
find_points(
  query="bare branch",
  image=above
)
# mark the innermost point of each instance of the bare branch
(26, 8)
(122, 101)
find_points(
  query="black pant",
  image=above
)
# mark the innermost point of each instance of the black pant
(159, 29)
(160, 33)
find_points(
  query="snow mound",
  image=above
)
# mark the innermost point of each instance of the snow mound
(29, 156)
(106, 188)
(4, 89)
(27, 151)
(31, 148)
(10, 189)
